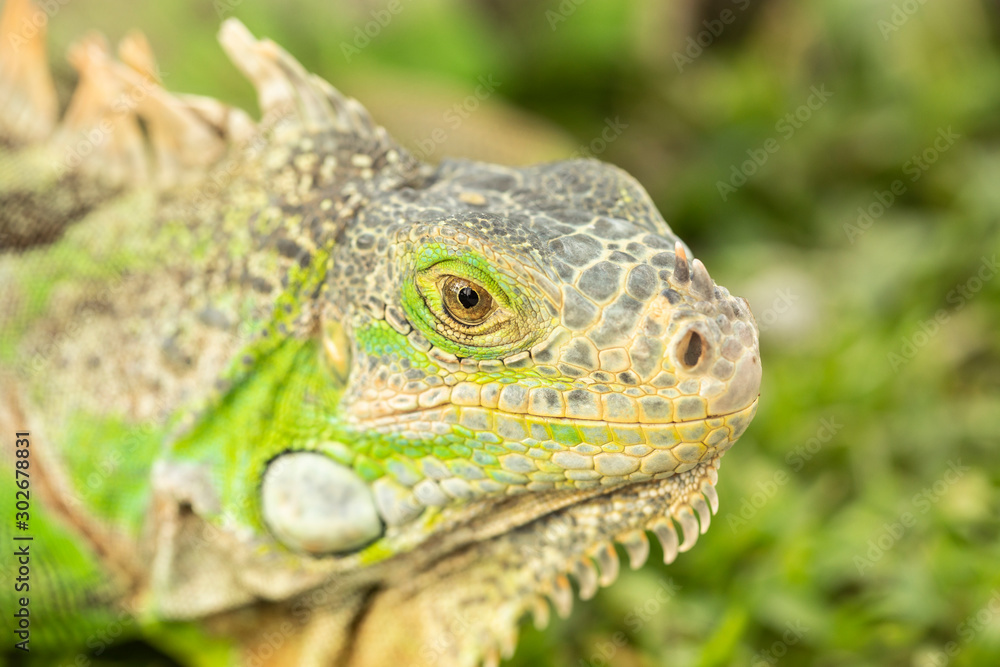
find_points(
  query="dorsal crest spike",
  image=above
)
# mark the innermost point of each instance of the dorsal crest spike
(28, 102)
(284, 87)
(682, 273)
(98, 101)
(134, 50)
(701, 281)
(185, 144)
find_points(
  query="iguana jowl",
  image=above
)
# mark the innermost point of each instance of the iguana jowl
(291, 388)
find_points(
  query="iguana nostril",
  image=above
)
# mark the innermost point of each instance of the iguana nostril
(691, 349)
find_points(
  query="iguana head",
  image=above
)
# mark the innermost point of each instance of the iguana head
(511, 341)
(529, 330)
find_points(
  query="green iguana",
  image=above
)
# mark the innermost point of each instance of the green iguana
(278, 393)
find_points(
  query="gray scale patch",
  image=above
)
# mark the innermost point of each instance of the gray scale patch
(664, 380)
(506, 477)
(476, 419)
(641, 283)
(611, 480)
(581, 352)
(661, 437)
(651, 327)
(434, 468)
(520, 360)
(512, 396)
(723, 369)
(490, 393)
(615, 464)
(656, 407)
(395, 503)
(663, 260)
(657, 242)
(659, 461)
(595, 435)
(619, 257)
(488, 438)
(690, 386)
(577, 250)
(612, 229)
(517, 463)
(570, 215)
(464, 469)
(620, 406)
(571, 371)
(716, 437)
(564, 271)
(617, 323)
(510, 429)
(457, 488)
(579, 312)
(583, 404)
(637, 249)
(601, 281)
(688, 452)
(489, 486)
(545, 400)
(538, 431)
(731, 349)
(626, 435)
(572, 461)
(482, 458)
(403, 472)
(628, 378)
(429, 493)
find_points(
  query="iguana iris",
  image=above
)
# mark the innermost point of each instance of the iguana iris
(292, 396)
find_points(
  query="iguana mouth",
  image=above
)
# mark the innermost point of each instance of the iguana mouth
(569, 453)
(415, 414)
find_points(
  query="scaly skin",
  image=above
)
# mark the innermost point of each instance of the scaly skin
(295, 396)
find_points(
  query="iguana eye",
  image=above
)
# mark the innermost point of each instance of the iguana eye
(466, 301)
(470, 308)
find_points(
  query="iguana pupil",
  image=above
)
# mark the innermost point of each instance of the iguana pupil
(468, 297)
(465, 301)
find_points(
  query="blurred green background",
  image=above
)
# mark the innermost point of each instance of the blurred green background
(836, 162)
